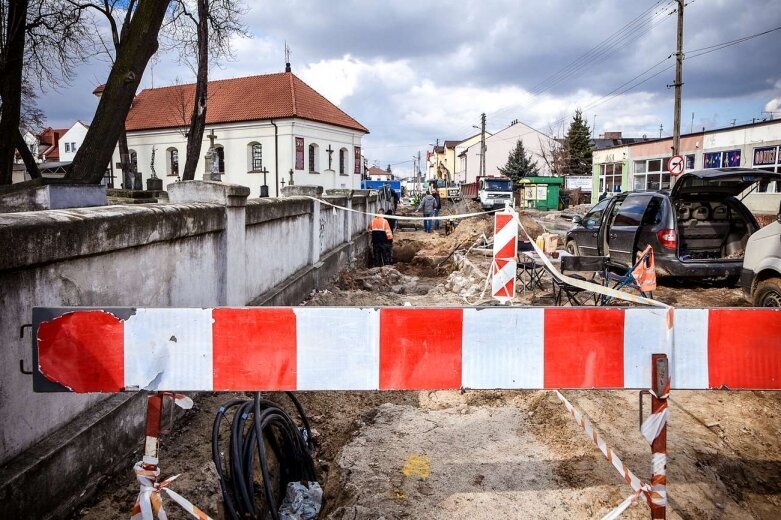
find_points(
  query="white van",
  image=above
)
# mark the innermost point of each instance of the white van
(761, 277)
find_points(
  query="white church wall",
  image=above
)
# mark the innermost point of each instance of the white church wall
(236, 138)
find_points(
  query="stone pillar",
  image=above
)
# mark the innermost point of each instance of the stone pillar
(234, 198)
(315, 192)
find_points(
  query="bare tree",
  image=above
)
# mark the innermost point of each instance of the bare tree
(138, 42)
(202, 36)
(554, 150)
(40, 40)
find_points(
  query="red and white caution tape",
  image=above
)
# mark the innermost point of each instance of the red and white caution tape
(150, 503)
(638, 486)
(651, 429)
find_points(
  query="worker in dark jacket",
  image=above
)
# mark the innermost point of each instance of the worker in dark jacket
(437, 207)
(381, 239)
(427, 205)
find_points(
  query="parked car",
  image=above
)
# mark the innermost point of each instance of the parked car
(699, 229)
(761, 278)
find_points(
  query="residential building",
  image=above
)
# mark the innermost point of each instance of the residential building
(499, 145)
(643, 165)
(442, 162)
(71, 140)
(375, 173)
(460, 151)
(263, 128)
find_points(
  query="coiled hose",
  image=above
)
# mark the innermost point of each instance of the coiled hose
(259, 424)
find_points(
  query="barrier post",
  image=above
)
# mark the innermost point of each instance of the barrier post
(660, 386)
(154, 422)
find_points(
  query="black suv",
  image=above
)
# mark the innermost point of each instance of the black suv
(699, 229)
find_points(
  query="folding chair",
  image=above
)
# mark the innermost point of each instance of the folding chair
(597, 265)
(641, 276)
(530, 272)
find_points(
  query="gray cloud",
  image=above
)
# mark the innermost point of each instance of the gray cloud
(463, 56)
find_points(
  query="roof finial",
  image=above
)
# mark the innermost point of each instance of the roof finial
(287, 57)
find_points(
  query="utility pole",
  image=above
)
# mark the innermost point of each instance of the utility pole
(417, 176)
(678, 82)
(660, 134)
(482, 144)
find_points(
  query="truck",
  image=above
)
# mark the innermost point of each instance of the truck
(445, 189)
(395, 185)
(491, 192)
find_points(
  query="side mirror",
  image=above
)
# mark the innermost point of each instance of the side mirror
(577, 219)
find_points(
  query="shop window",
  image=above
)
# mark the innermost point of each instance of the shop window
(610, 177)
(768, 158)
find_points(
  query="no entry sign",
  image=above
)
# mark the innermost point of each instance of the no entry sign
(675, 165)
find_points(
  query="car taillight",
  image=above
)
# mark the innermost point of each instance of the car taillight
(667, 238)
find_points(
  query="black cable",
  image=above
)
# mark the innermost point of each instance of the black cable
(258, 424)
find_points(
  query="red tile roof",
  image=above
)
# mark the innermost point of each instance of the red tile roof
(252, 98)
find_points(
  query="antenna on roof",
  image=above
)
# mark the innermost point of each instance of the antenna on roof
(287, 57)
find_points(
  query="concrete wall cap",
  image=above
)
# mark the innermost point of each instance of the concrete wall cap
(303, 190)
(208, 191)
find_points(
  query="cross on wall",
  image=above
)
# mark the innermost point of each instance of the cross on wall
(330, 158)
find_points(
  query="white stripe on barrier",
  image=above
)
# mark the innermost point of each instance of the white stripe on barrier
(644, 334)
(689, 364)
(510, 355)
(338, 348)
(169, 348)
(506, 234)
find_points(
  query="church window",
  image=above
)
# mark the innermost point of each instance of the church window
(314, 159)
(172, 161)
(343, 161)
(219, 153)
(255, 157)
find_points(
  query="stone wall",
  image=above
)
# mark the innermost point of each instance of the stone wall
(208, 247)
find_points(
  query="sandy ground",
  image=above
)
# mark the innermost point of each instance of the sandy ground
(491, 454)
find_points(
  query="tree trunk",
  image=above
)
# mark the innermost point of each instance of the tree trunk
(134, 53)
(27, 157)
(11, 86)
(198, 117)
(124, 160)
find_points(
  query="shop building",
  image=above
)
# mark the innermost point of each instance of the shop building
(643, 166)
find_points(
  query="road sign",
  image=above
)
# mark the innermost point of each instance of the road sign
(675, 164)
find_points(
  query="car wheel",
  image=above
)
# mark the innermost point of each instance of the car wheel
(572, 248)
(768, 293)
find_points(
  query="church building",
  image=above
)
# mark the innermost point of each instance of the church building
(267, 129)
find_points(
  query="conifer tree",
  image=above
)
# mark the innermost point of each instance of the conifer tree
(578, 146)
(519, 164)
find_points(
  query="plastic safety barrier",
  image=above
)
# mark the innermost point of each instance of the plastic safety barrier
(301, 348)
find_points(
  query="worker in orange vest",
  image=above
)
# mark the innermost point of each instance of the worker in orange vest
(381, 239)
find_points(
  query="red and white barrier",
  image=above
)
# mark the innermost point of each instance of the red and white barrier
(302, 348)
(504, 265)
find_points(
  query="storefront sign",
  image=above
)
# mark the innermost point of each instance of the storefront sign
(299, 153)
(582, 182)
(731, 159)
(712, 160)
(765, 156)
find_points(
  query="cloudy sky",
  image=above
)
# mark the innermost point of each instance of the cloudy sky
(415, 71)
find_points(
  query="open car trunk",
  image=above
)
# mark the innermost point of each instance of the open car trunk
(712, 230)
(712, 223)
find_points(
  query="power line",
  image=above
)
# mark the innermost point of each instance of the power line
(587, 55)
(604, 53)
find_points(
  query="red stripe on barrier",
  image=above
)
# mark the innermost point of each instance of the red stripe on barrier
(508, 291)
(84, 351)
(584, 348)
(508, 249)
(744, 348)
(254, 348)
(420, 349)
